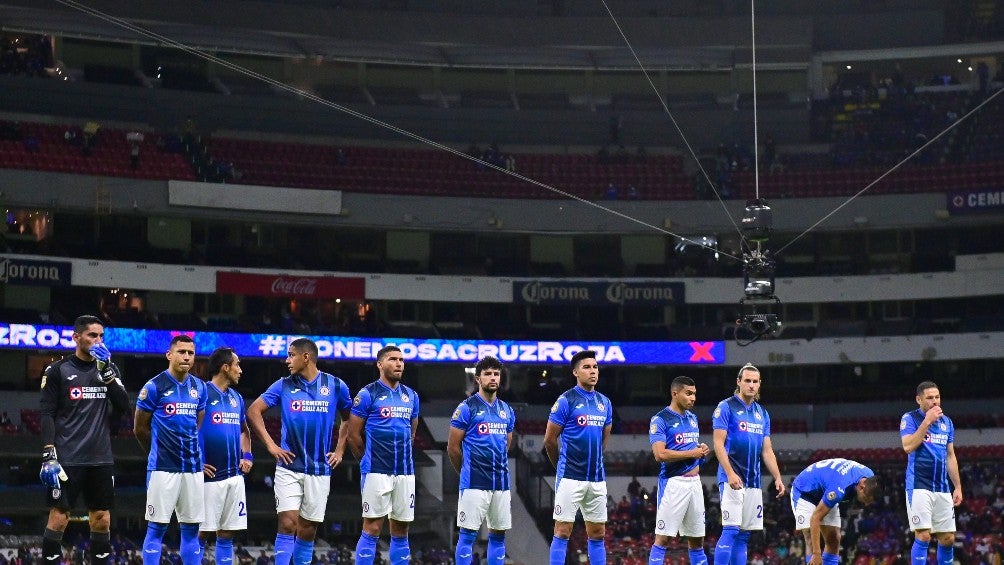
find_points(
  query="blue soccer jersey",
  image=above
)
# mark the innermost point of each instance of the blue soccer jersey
(389, 413)
(745, 427)
(486, 431)
(680, 433)
(583, 417)
(831, 481)
(927, 466)
(220, 433)
(174, 426)
(309, 411)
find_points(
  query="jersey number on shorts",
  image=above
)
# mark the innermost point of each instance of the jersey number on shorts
(759, 511)
(242, 511)
(412, 501)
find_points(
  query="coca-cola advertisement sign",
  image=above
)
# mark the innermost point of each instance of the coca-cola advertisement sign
(293, 286)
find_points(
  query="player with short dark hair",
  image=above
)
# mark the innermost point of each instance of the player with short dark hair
(226, 448)
(576, 433)
(311, 402)
(389, 411)
(676, 445)
(81, 394)
(480, 436)
(742, 442)
(169, 412)
(815, 494)
(928, 436)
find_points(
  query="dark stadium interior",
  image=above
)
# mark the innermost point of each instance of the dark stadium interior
(99, 125)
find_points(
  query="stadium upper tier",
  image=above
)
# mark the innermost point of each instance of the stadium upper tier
(435, 173)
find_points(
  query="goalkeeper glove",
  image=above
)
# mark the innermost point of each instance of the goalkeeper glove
(52, 472)
(107, 370)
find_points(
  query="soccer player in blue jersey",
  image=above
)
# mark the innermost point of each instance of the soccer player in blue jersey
(815, 494)
(928, 437)
(226, 449)
(742, 442)
(169, 411)
(389, 411)
(676, 444)
(577, 431)
(310, 402)
(478, 447)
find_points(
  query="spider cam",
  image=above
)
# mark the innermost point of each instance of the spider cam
(758, 276)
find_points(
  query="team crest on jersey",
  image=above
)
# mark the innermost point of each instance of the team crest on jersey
(653, 429)
(756, 415)
(193, 392)
(599, 406)
(831, 495)
(718, 412)
(456, 413)
(325, 390)
(404, 398)
(554, 408)
(357, 400)
(902, 425)
(693, 421)
(142, 393)
(502, 414)
(233, 402)
(944, 427)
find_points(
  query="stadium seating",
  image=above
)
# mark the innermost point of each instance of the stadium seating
(42, 147)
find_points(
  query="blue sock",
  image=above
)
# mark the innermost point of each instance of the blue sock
(946, 554)
(739, 548)
(723, 551)
(697, 557)
(365, 549)
(558, 548)
(918, 554)
(597, 551)
(303, 552)
(224, 551)
(283, 549)
(496, 549)
(465, 546)
(656, 555)
(190, 550)
(153, 542)
(399, 551)
(831, 559)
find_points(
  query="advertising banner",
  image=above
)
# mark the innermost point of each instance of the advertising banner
(337, 348)
(609, 293)
(293, 286)
(36, 273)
(971, 201)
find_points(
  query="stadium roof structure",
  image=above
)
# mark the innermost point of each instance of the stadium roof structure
(714, 44)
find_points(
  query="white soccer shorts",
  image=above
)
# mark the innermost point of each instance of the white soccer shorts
(175, 493)
(929, 510)
(588, 496)
(303, 492)
(803, 510)
(389, 495)
(226, 505)
(475, 506)
(681, 508)
(742, 508)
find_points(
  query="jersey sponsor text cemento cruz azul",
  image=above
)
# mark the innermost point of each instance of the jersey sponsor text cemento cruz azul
(87, 392)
